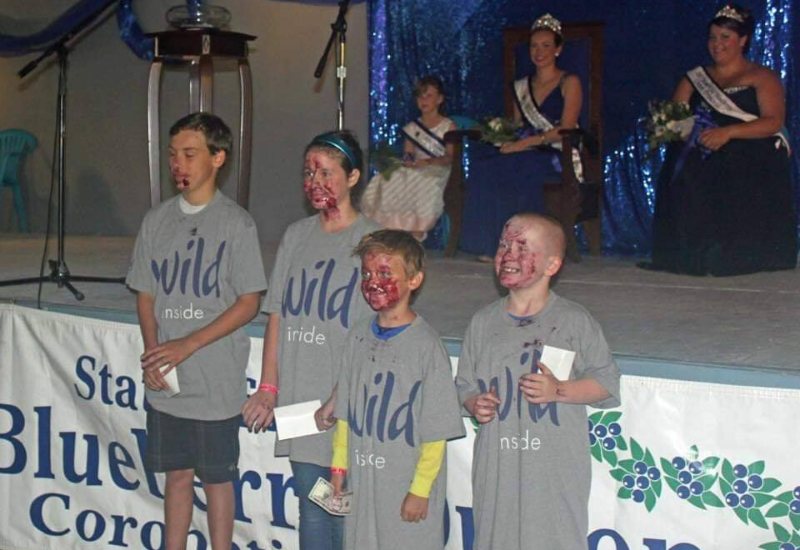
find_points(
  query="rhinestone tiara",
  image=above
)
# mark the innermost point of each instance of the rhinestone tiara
(730, 12)
(549, 22)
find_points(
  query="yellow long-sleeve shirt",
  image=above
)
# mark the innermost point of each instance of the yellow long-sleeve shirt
(431, 455)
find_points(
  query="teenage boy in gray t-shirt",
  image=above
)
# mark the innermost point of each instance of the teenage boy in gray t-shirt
(531, 466)
(197, 270)
(396, 407)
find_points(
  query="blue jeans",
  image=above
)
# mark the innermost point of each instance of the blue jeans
(318, 529)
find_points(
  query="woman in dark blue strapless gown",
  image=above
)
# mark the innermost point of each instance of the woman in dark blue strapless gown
(509, 180)
(725, 204)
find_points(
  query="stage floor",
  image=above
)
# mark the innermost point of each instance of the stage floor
(745, 321)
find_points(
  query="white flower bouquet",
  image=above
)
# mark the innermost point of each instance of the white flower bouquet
(498, 131)
(669, 121)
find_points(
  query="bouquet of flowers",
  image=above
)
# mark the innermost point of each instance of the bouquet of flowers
(386, 160)
(669, 121)
(498, 131)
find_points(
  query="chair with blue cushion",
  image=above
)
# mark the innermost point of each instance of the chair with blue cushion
(14, 145)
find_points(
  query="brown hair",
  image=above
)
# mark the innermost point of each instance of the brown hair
(394, 242)
(218, 135)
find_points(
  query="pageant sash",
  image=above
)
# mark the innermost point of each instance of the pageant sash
(523, 93)
(425, 139)
(721, 102)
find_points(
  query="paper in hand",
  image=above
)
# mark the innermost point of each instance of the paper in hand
(171, 378)
(297, 420)
(558, 360)
(322, 495)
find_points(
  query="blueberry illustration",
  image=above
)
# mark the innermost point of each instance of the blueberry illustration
(592, 440)
(642, 482)
(600, 430)
(740, 486)
(747, 501)
(740, 470)
(640, 467)
(654, 473)
(732, 500)
(609, 444)
(696, 488)
(696, 467)
(786, 546)
(684, 477)
(683, 492)
(614, 428)
(794, 506)
(638, 495)
(628, 482)
(755, 481)
(591, 425)
(796, 492)
(679, 463)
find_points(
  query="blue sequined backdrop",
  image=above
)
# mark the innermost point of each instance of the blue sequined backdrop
(649, 45)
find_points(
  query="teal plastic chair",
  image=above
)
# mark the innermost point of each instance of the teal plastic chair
(14, 145)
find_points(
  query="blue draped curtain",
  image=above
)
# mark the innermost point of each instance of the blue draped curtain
(649, 45)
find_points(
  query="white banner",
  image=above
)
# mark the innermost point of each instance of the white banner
(680, 466)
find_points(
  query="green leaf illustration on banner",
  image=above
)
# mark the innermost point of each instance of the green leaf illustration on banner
(705, 483)
(778, 511)
(605, 436)
(782, 534)
(785, 540)
(710, 499)
(636, 450)
(756, 467)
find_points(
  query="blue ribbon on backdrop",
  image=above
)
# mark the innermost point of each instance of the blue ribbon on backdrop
(649, 45)
(130, 31)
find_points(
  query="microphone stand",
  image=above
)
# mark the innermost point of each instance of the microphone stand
(339, 30)
(59, 272)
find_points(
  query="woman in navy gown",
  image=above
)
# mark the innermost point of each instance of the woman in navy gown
(500, 187)
(724, 202)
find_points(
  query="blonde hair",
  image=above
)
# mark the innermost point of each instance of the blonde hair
(554, 236)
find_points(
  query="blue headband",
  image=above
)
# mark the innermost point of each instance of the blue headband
(332, 141)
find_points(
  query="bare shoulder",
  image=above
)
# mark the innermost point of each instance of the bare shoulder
(764, 76)
(683, 91)
(571, 82)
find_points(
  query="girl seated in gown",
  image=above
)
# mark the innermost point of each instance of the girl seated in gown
(545, 102)
(724, 203)
(412, 198)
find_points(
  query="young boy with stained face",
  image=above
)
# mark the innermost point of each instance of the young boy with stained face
(531, 464)
(396, 407)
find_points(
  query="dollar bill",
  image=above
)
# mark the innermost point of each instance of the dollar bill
(322, 495)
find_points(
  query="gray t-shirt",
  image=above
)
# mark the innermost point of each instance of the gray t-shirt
(395, 395)
(531, 469)
(315, 286)
(196, 266)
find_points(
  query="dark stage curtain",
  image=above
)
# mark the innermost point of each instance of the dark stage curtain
(649, 45)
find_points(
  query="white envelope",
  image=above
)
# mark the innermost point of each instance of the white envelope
(297, 420)
(170, 378)
(558, 360)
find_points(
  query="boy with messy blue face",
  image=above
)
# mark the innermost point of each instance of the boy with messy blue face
(531, 464)
(396, 407)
